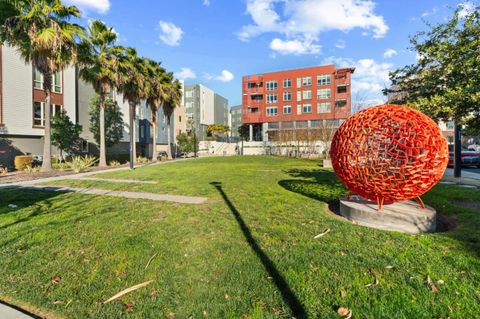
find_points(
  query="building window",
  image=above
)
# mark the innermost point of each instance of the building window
(272, 111)
(299, 96)
(189, 94)
(37, 79)
(450, 125)
(57, 82)
(307, 81)
(323, 79)
(342, 89)
(307, 95)
(271, 85)
(287, 109)
(307, 108)
(256, 97)
(324, 93)
(179, 119)
(287, 96)
(340, 103)
(272, 98)
(299, 82)
(39, 112)
(301, 124)
(324, 107)
(450, 139)
(287, 83)
(299, 109)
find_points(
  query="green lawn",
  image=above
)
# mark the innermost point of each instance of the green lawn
(248, 252)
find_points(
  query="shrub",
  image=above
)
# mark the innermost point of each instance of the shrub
(142, 160)
(30, 169)
(21, 162)
(121, 158)
(3, 171)
(114, 163)
(61, 166)
(81, 163)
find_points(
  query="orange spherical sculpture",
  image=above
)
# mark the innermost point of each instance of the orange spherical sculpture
(389, 153)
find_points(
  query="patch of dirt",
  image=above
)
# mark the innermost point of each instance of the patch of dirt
(15, 177)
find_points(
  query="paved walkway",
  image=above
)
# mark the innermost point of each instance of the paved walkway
(7, 312)
(135, 195)
(94, 191)
(468, 178)
(127, 181)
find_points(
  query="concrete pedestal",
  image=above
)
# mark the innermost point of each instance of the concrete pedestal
(406, 217)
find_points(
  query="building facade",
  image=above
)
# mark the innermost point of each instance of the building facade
(204, 107)
(235, 120)
(295, 98)
(22, 104)
(22, 112)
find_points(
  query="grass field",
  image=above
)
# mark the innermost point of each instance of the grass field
(248, 252)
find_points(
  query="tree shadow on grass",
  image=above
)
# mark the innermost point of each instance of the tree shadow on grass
(296, 307)
(22, 198)
(319, 184)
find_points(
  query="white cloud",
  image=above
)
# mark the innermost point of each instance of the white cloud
(170, 34)
(296, 47)
(185, 74)
(430, 12)
(225, 76)
(206, 3)
(341, 44)
(305, 19)
(369, 78)
(465, 9)
(389, 53)
(99, 6)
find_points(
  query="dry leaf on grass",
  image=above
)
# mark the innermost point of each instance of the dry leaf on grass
(322, 234)
(343, 293)
(434, 289)
(149, 261)
(126, 291)
(56, 280)
(389, 267)
(344, 312)
(128, 307)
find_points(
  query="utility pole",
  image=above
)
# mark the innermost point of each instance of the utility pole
(457, 151)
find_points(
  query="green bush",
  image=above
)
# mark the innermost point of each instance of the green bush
(21, 162)
(142, 160)
(121, 158)
(30, 169)
(114, 163)
(81, 163)
(61, 166)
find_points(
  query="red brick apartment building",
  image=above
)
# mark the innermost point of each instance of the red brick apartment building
(297, 98)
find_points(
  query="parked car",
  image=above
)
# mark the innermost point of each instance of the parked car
(469, 158)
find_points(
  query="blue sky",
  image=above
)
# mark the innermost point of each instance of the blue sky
(215, 42)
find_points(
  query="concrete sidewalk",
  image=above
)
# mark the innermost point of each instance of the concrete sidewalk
(468, 178)
(7, 312)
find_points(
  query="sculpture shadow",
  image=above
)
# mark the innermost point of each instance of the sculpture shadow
(452, 220)
(319, 184)
(296, 307)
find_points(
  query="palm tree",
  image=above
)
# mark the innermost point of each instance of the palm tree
(40, 31)
(133, 87)
(99, 66)
(155, 97)
(174, 97)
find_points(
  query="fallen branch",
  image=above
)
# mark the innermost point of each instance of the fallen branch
(322, 234)
(149, 261)
(126, 291)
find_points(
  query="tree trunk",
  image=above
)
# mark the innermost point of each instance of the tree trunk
(103, 151)
(47, 142)
(132, 135)
(457, 162)
(154, 138)
(169, 150)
